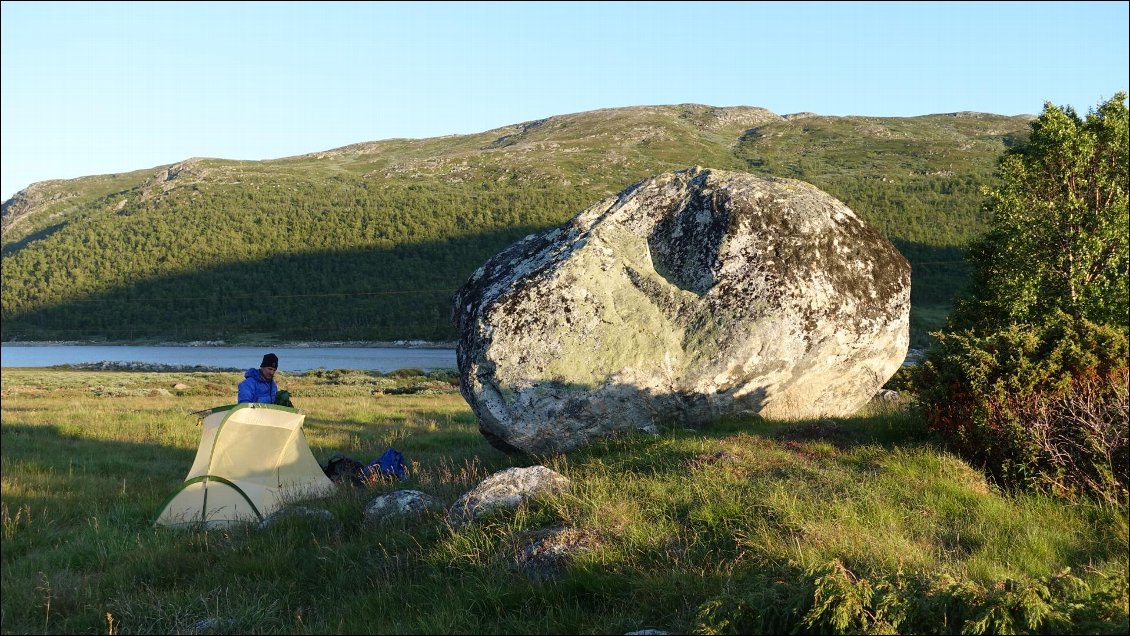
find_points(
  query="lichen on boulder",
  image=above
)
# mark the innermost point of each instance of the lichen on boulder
(689, 296)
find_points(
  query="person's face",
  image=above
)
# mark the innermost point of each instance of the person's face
(268, 373)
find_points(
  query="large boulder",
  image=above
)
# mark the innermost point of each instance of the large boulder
(689, 296)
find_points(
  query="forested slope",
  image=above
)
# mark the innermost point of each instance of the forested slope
(368, 242)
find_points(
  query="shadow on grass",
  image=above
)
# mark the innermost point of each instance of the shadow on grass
(886, 427)
(62, 476)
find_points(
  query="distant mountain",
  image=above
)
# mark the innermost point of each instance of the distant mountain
(368, 241)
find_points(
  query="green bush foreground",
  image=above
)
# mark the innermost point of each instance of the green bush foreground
(1037, 407)
(860, 525)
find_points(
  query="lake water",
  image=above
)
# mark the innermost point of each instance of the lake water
(291, 359)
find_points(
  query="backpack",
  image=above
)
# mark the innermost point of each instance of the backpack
(391, 463)
(341, 468)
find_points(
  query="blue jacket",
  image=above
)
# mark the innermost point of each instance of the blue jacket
(255, 388)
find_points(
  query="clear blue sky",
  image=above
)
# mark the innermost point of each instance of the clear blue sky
(94, 88)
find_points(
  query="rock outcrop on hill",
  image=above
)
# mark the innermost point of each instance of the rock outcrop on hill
(689, 296)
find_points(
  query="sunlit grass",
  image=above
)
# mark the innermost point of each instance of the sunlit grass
(682, 527)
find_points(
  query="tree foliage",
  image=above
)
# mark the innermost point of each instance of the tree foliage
(1058, 237)
(1031, 381)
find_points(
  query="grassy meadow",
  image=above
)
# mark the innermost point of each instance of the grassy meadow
(847, 526)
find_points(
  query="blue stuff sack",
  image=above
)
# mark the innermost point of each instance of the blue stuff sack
(391, 463)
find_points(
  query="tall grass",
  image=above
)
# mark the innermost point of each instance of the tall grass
(850, 525)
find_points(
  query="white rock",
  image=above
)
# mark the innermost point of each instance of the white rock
(400, 505)
(291, 512)
(506, 489)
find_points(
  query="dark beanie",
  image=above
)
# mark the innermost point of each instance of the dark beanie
(270, 360)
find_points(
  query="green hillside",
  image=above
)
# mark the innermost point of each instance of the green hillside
(369, 241)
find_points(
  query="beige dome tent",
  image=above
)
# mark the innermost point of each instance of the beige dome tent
(252, 460)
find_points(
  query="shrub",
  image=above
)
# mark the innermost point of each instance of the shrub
(1041, 407)
(830, 599)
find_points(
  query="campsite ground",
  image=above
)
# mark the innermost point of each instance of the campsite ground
(852, 525)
